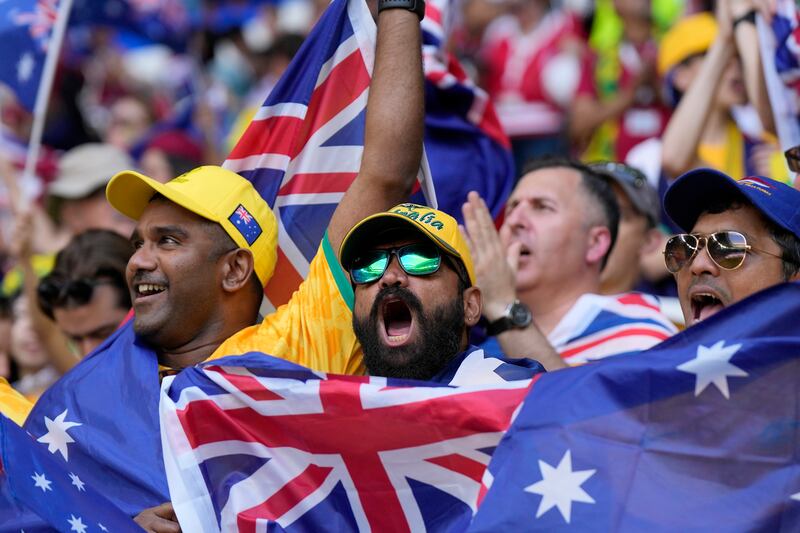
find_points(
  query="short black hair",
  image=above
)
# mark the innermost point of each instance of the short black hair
(595, 185)
(92, 255)
(788, 242)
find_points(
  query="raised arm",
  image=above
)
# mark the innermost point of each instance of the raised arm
(394, 125)
(742, 14)
(685, 128)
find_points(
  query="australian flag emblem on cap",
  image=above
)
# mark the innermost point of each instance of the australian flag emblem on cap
(246, 224)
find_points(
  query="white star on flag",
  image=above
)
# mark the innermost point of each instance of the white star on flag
(477, 370)
(560, 487)
(795, 496)
(77, 481)
(101, 526)
(41, 481)
(25, 67)
(712, 365)
(76, 524)
(57, 437)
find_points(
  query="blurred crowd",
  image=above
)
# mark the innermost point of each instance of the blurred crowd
(655, 88)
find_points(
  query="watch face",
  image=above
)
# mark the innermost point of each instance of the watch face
(520, 315)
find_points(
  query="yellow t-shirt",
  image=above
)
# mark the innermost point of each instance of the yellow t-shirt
(13, 404)
(730, 156)
(314, 328)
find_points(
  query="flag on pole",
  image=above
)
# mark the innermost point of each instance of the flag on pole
(254, 443)
(25, 27)
(698, 434)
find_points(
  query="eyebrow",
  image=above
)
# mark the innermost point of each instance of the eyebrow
(171, 230)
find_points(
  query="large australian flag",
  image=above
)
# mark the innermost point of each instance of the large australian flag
(700, 433)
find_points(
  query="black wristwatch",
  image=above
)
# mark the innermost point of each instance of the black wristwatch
(416, 6)
(516, 316)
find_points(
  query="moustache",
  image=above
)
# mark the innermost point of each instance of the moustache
(397, 293)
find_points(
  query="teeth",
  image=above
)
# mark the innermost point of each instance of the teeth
(397, 338)
(149, 288)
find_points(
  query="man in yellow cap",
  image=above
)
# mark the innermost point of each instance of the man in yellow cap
(415, 300)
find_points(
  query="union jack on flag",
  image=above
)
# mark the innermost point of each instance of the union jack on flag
(253, 443)
(40, 21)
(303, 147)
(242, 213)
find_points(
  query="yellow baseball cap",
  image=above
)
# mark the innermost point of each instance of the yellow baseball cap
(689, 36)
(436, 225)
(214, 193)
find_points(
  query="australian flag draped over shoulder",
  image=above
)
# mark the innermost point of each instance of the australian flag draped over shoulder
(100, 420)
(466, 146)
(700, 433)
(38, 482)
(25, 28)
(253, 443)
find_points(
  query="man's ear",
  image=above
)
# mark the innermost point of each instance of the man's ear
(236, 269)
(472, 306)
(598, 244)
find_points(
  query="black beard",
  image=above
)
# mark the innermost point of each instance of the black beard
(438, 341)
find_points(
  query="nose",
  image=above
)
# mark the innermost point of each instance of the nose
(394, 275)
(701, 263)
(143, 258)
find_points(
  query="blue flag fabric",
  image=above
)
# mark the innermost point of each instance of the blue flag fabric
(698, 434)
(101, 421)
(42, 484)
(25, 28)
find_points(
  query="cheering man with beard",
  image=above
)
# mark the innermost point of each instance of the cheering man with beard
(415, 300)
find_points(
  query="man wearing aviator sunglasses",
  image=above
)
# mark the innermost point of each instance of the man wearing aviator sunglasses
(742, 237)
(415, 299)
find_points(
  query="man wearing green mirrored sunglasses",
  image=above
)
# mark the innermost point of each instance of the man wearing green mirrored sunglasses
(415, 299)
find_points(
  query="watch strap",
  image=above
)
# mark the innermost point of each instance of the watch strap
(415, 6)
(516, 316)
(496, 327)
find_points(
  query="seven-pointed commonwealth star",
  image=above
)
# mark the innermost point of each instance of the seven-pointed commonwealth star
(712, 365)
(560, 487)
(25, 67)
(77, 482)
(39, 480)
(57, 437)
(76, 524)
